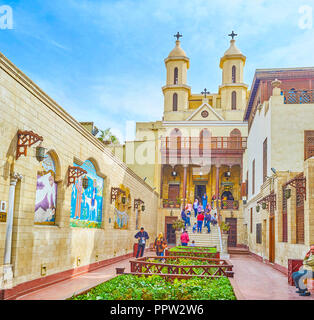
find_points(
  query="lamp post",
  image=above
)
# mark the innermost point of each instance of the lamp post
(6, 280)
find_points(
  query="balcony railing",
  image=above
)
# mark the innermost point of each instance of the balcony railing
(169, 203)
(229, 204)
(293, 96)
(198, 146)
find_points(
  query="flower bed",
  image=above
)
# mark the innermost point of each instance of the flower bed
(201, 252)
(129, 287)
(194, 249)
(172, 266)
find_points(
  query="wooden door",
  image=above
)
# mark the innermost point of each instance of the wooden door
(300, 221)
(271, 239)
(173, 192)
(171, 235)
(232, 234)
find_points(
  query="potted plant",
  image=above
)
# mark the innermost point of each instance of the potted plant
(178, 225)
(165, 203)
(257, 208)
(287, 193)
(236, 204)
(178, 203)
(224, 204)
(224, 227)
(264, 205)
(171, 203)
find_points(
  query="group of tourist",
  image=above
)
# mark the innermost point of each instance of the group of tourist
(160, 243)
(185, 239)
(203, 213)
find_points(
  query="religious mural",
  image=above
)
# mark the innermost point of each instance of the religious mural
(122, 207)
(46, 193)
(86, 204)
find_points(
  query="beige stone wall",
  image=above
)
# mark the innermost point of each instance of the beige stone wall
(24, 106)
(290, 249)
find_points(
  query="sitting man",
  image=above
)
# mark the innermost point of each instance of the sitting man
(306, 272)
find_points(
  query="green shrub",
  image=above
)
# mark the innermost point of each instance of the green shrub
(129, 287)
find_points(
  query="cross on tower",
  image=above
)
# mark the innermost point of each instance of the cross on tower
(178, 35)
(205, 92)
(232, 34)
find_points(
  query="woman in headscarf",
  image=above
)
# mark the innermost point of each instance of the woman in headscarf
(158, 244)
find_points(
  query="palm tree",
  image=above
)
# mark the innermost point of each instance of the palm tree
(107, 137)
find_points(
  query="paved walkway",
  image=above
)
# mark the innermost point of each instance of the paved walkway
(65, 289)
(253, 280)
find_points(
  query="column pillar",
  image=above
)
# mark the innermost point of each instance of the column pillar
(185, 169)
(6, 280)
(161, 179)
(217, 192)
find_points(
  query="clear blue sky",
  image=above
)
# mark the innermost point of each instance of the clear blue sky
(102, 61)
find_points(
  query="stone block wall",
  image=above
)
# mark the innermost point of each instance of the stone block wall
(24, 106)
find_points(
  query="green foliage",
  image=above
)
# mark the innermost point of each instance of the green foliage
(107, 137)
(193, 249)
(180, 262)
(129, 287)
(178, 224)
(224, 227)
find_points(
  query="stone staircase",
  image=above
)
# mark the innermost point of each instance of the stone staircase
(204, 239)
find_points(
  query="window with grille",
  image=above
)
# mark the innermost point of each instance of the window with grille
(234, 74)
(233, 100)
(175, 75)
(308, 144)
(247, 183)
(253, 177)
(264, 160)
(258, 233)
(299, 215)
(284, 216)
(175, 102)
(251, 221)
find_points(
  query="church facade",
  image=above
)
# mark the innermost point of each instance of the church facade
(199, 145)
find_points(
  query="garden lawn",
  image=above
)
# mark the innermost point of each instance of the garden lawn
(130, 287)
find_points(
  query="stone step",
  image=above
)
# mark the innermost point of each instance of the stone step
(238, 251)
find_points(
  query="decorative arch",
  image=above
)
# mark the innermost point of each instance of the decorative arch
(205, 137)
(47, 189)
(234, 74)
(235, 133)
(97, 167)
(235, 139)
(175, 102)
(175, 75)
(53, 154)
(175, 140)
(87, 203)
(233, 100)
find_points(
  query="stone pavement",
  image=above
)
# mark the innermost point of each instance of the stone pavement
(65, 289)
(253, 280)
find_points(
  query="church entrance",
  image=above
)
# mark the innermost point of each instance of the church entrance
(200, 189)
(169, 231)
(232, 234)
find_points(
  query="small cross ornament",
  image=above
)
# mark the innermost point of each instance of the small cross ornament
(232, 34)
(178, 35)
(205, 92)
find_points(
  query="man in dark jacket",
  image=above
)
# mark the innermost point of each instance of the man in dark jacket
(142, 236)
(184, 217)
